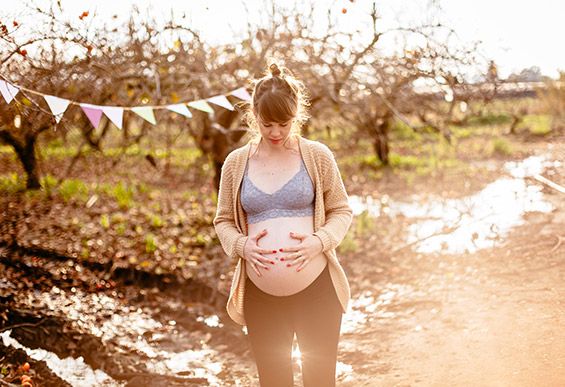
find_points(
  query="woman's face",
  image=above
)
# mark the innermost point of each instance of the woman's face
(274, 133)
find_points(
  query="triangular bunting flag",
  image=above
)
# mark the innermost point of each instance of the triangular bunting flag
(146, 113)
(115, 114)
(180, 109)
(93, 112)
(221, 100)
(201, 105)
(57, 106)
(241, 93)
(8, 91)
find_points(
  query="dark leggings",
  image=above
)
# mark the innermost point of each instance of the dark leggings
(314, 314)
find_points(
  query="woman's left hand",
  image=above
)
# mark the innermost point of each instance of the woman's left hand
(301, 254)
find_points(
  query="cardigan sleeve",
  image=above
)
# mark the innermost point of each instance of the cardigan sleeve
(231, 239)
(336, 204)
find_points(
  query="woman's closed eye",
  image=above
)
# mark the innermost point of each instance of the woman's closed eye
(269, 125)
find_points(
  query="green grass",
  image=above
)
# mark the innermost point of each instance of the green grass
(61, 152)
(347, 245)
(150, 243)
(462, 132)
(179, 156)
(84, 253)
(537, 124)
(12, 183)
(73, 189)
(121, 228)
(405, 161)
(122, 193)
(401, 131)
(421, 160)
(105, 221)
(76, 189)
(7, 149)
(501, 147)
(156, 221)
(489, 119)
(68, 190)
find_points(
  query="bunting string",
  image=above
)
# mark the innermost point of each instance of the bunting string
(115, 114)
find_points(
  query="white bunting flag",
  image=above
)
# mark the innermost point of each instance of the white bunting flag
(241, 93)
(57, 106)
(180, 109)
(146, 113)
(201, 105)
(8, 91)
(221, 100)
(115, 114)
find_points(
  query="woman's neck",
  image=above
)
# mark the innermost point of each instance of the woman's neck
(269, 150)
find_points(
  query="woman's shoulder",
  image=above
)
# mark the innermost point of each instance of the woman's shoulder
(237, 154)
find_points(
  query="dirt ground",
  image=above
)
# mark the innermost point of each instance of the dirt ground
(494, 317)
(490, 317)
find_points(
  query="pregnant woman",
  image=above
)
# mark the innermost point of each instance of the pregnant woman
(282, 211)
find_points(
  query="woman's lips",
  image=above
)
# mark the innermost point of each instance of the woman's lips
(275, 141)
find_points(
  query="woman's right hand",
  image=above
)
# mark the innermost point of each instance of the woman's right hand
(254, 254)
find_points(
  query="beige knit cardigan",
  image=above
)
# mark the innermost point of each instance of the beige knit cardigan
(332, 216)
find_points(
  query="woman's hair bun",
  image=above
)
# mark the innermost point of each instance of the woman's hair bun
(275, 70)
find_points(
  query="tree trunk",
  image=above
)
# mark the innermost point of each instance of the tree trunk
(26, 154)
(516, 120)
(381, 148)
(380, 143)
(29, 161)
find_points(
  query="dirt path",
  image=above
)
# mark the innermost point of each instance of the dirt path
(495, 329)
(491, 318)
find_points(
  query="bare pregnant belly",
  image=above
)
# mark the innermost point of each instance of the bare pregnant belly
(281, 280)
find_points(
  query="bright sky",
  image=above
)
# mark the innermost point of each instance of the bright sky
(515, 33)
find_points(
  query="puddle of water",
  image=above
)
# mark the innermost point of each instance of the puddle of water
(471, 223)
(367, 307)
(212, 321)
(344, 372)
(74, 371)
(134, 329)
(202, 363)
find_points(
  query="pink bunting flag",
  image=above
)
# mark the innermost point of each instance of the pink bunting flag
(222, 101)
(93, 112)
(241, 93)
(115, 114)
(57, 105)
(8, 91)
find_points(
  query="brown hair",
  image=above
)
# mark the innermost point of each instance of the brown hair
(277, 97)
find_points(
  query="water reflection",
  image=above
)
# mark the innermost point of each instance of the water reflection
(202, 363)
(134, 329)
(212, 321)
(74, 371)
(367, 307)
(470, 223)
(344, 372)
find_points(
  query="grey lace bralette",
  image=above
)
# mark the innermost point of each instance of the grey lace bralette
(295, 198)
